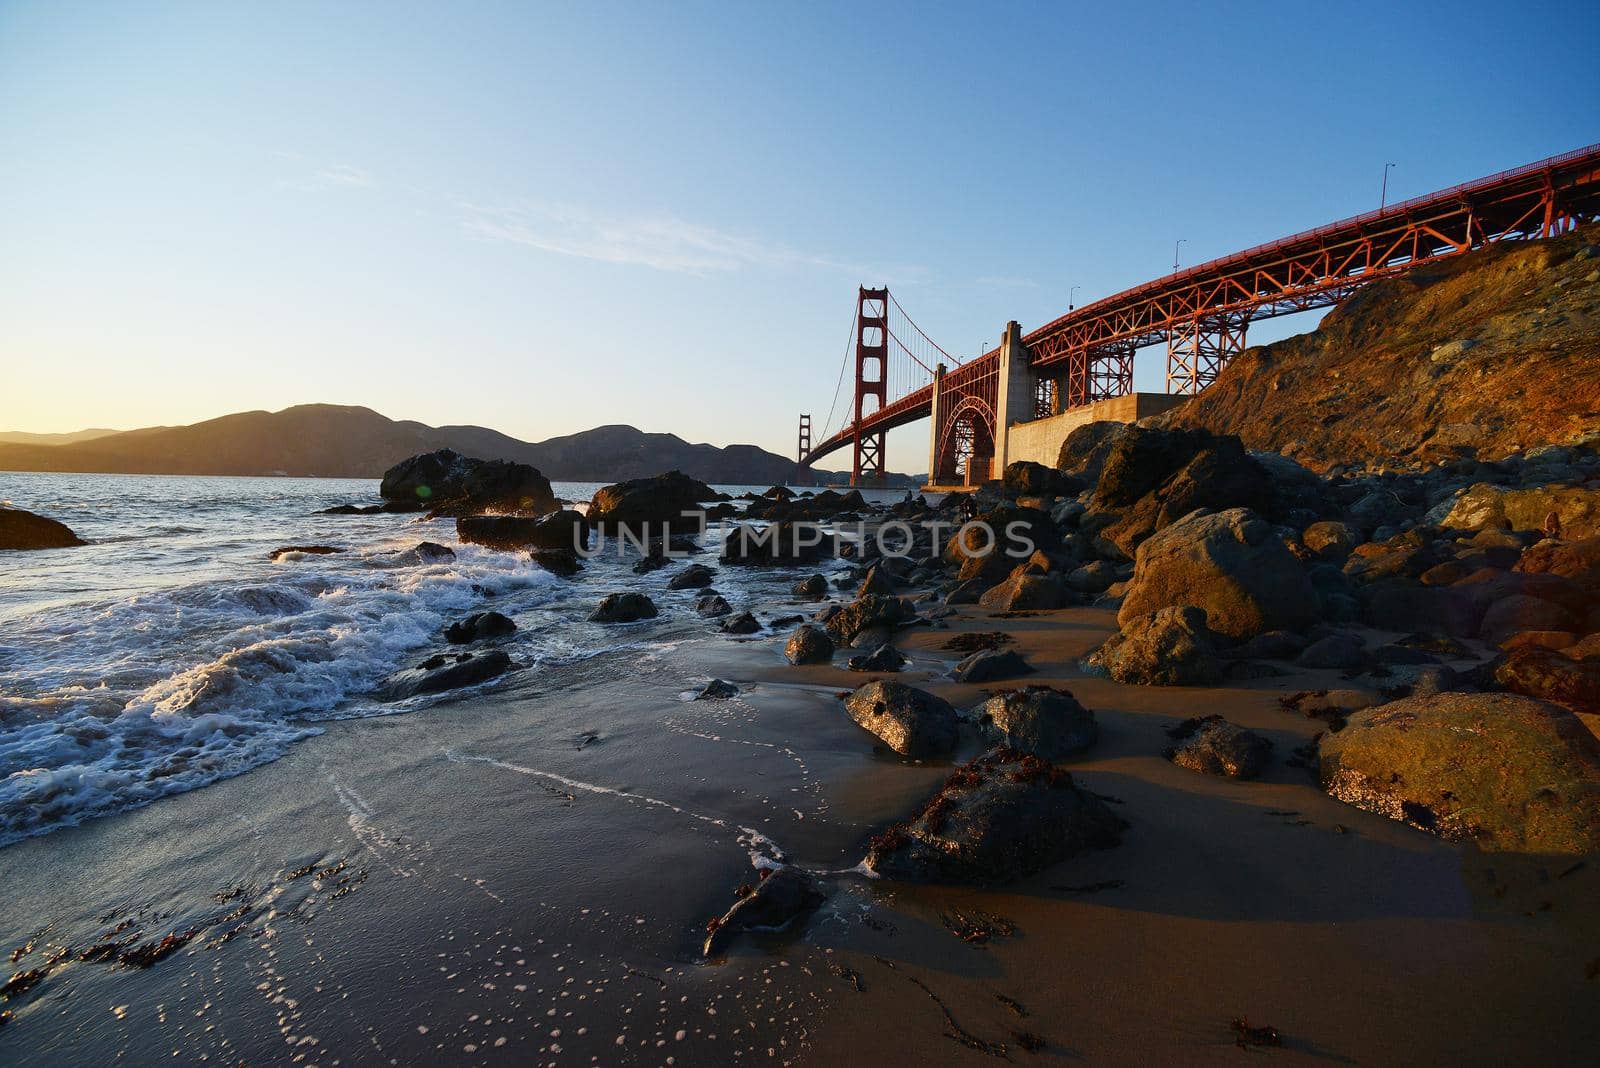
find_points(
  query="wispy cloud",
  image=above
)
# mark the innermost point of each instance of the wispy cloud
(345, 175)
(663, 242)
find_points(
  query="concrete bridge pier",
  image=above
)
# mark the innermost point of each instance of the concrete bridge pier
(1015, 393)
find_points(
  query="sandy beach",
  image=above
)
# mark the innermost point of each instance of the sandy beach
(526, 875)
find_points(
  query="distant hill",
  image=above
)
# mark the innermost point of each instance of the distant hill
(22, 437)
(331, 440)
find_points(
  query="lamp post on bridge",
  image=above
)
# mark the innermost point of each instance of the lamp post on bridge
(1383, 197)
(1175, 244)
(1070, 292)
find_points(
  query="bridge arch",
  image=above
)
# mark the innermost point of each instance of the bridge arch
(966, 443)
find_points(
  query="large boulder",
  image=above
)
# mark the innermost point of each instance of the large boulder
(1042, 720)
(999, 818)
(1576, 509)
(1024, 478)
(809, 644)
(1552, 676)
(565, 529)
(623, 608)
(1521, 612)
(1506, 771)
(1083, 454)
(1172, 646)
(447, 671)
(447, 483)
(1232, 564)
(693, 577)
(1215, 472)
(912, 722)
(24, 530)
(659, 501)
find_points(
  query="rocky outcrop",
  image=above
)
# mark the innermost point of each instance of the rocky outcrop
(712, 605)
(1232, 564)
(809, 644)
(912, 722)
(446, 483)
(1576, 561)
(478, 627)
(658, 501)
(743, 623)
(1047, 722)
(623, 608)
(1213, 746)
(1454, 359)
(447, 671)
(814, 588)
(24, 530)
(780, 896)
(1169, 647)
(1573, 511)
(564, 529)
(1506, 771)
(1026, 592)
(883, 658)
(999, 818)
(563, 562)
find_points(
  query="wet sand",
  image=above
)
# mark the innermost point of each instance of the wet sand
(524, 877)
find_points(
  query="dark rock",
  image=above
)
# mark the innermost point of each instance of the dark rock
(1331, 540)
(1041, 720)
(351, 509)
(1229, 563)
(784, 895)
(777, 545)
(652, 561)
(1170, 647)
(432, 550)
(659, 501)
(447, 483)
(717, 690)
(712, 605)
(877, 580)
(1093, 577)
(809, 644)
(883, 658)
(743, 623)
(814, 588)
(447, 671)
(1552, 676)
(1520, 612)
(912, 722)
(562, 562)
(1026, 478)
(987, 665)
(1343, 651)
(623, 608)
(478, 627)
(999, 818)
(693, 577)
(869, 612)
(1506, 771)
(1216, 747)
(557, 530)
(304, 550)
(1083, 454)
(1273, 645)
(1399, 604)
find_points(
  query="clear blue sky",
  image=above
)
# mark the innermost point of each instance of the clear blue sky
(546, 217)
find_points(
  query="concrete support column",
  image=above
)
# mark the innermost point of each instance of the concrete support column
(934, 426)
(1014, 393)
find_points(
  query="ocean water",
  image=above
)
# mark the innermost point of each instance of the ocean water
(172, 651)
